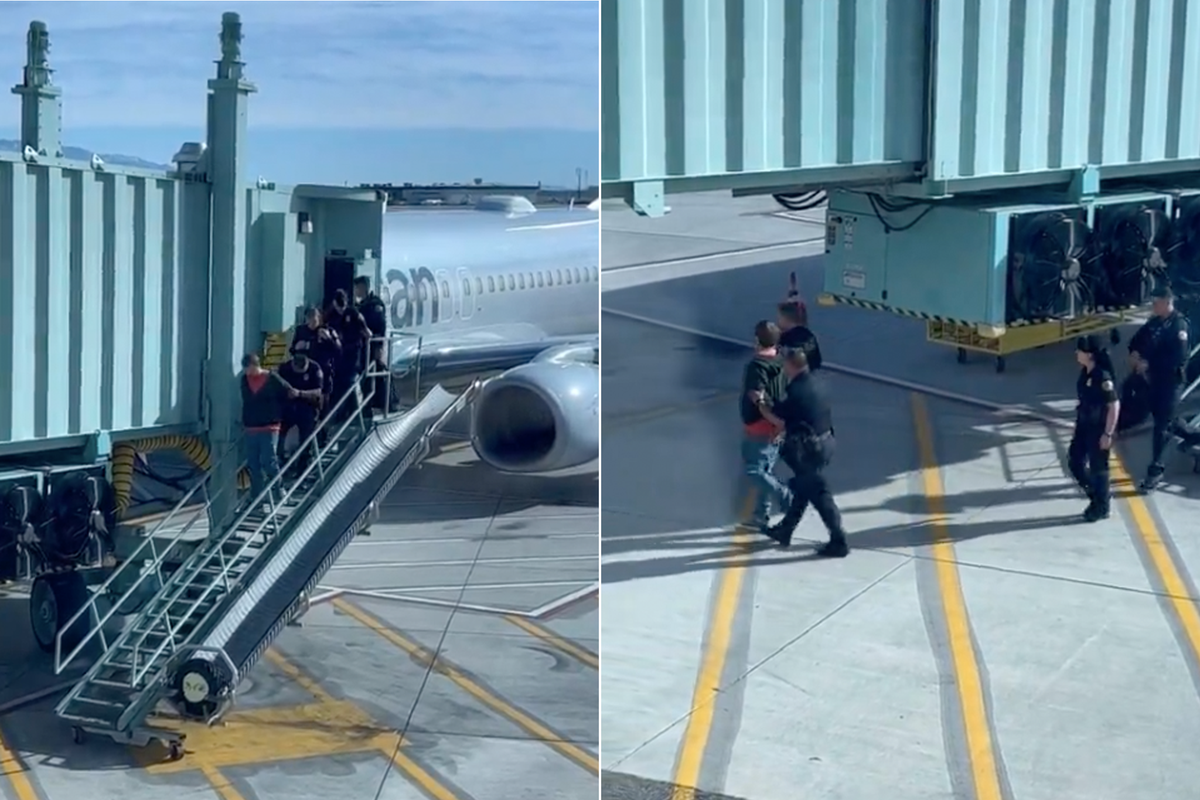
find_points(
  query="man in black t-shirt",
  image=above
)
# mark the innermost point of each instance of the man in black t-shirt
(760, 444)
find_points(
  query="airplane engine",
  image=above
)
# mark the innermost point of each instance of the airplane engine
(539, 417)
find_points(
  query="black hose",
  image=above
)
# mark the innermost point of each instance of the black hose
(801, 202)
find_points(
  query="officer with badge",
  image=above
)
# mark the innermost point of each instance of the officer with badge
(1162, 345)
(1095, 426)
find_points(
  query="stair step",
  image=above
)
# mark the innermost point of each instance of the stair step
(82, 698)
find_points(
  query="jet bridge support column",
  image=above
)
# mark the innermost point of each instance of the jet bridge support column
(41, 100)
(228, 100)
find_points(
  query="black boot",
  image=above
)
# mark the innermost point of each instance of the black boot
(1095, 512)
(1152, 482)
(836, 547)
(781, 533)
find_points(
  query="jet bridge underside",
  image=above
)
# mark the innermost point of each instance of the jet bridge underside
(251, 619)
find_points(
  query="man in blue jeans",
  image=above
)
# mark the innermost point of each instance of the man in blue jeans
(263, 396)
(760, 445)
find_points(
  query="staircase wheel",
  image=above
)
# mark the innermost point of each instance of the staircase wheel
(175, 750)
(53, 600)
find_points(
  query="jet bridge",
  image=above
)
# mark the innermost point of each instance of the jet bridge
(205, 620)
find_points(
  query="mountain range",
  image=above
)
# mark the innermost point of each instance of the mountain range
(80, 154)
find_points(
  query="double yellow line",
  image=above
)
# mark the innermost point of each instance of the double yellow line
(981, 752)
(459, 678)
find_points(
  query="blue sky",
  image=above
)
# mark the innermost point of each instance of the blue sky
(347, 92)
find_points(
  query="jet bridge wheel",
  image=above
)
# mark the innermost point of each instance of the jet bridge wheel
(55, 598)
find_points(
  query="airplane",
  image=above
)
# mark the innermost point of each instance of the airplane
(511, 293)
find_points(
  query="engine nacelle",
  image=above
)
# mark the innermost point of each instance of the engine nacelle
(538, 417)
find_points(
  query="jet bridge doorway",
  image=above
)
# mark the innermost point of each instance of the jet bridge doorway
(339, 274)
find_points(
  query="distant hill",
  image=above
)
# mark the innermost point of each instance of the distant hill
(80, 154)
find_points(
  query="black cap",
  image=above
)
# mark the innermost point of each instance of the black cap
(1162, 293)
(1089, 344)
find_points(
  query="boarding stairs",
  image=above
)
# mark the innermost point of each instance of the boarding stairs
(1186, 429)
(130, 677)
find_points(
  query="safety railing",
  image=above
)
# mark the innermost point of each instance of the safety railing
(214, 554)
(375, 374)
(148, 558)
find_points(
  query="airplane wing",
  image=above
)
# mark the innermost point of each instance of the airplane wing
(485, 349)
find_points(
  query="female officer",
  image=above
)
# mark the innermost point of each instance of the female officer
(1095, 425)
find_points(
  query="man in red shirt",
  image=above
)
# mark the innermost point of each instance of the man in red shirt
(263, 396)
(760, 446)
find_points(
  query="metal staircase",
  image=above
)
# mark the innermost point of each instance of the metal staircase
(128, 679)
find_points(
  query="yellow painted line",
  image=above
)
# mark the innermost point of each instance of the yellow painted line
(1160, 556)
(417, 774)
(452, 672)
(220, 783)
(18, 776)
(712, 666)
(295, 675)
(575, 651)
(968, 679)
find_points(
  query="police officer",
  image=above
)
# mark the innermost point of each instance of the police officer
(321, 344)
(807, 449)
(374, 314)
(354, 334)
(1162, 344)
(302, 411)
(1095, 425)
(763, 377)
(795, 333)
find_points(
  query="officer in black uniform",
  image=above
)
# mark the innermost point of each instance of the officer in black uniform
(795, 333)
(303, 411)
(807, 449)
(1162, 344)
(374, 313)
(1095, 425)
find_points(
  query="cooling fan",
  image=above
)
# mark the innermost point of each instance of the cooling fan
(79, 506)
(1132, 239)
(21, 512)
(1051, 272)
(1184, 255)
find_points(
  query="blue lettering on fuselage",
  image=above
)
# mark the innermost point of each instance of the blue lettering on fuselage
(409, 291)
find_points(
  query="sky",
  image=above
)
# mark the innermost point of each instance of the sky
(348, 92)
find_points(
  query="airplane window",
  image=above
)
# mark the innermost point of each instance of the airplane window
(595, 274)
(587, 276)
(540, 280)
(559, 281)
(578, 277)
(491, 284)
(522, 277)
(569, 276)
(445, 290)
(501, 282)
(512, 283)
(479, 286)
(466, 287)
(530, 280)
(422, 290)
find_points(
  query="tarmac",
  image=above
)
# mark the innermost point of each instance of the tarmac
(979, 642)
(495, 574)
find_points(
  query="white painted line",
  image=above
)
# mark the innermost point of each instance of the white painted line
(459, 587)
(932, 391)
(461, 562)
(431, 540)
(33, 697)
(325, 597)
(428, 601)
(565, 600)
(627, 277)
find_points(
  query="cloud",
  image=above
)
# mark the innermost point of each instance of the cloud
(384, 65)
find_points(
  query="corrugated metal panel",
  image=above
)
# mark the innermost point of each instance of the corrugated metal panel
(1031, 85)
(702, 88)
(94, 283)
